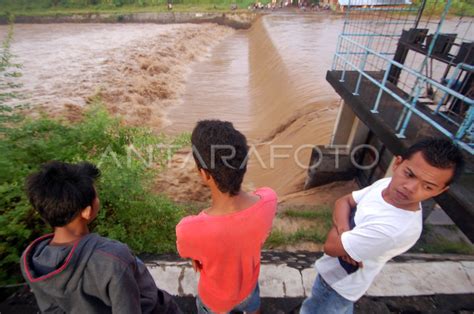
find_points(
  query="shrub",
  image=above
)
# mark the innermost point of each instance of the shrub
(129, 211)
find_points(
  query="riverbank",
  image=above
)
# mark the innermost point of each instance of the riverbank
(44, 8)
(230, 13)
(236, 20)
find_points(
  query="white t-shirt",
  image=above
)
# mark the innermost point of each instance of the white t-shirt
(381, 232)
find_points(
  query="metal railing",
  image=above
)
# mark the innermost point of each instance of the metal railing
(352, 55)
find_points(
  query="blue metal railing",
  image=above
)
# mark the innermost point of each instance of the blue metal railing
(465, 129)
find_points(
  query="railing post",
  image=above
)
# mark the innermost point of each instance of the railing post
(379, 95)
(362, 66)
(401, 133)
(466, 124)
(339, 41)
(346, 22)
(450, 84)
(343, 74)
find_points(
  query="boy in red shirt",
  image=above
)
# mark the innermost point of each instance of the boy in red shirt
(225, 240)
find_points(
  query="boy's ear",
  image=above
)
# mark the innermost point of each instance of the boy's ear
(86, 213)
(398, 162)
(205, 176)
(442, 190)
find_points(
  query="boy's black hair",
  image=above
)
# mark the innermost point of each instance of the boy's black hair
(222, 151)
(439, 153)
(59, 191)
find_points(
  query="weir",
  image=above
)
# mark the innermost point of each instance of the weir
(268, 81)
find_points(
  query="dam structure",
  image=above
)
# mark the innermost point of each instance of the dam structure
(403, 72)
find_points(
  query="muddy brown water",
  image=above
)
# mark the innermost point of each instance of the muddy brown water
(268, 80)
(138, 69)
(260, 78)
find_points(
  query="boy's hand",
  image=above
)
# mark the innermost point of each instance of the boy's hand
(348, 259)
(197, 266)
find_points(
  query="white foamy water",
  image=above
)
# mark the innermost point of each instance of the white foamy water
(65, 64)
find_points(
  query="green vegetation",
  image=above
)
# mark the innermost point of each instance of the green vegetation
(458, 7)
(8, 69)
(443, 246)
(129, 211)
(320, 213)
(67, 7)
(318, 218)
(442, 240)
(316, 222)
(279, 238)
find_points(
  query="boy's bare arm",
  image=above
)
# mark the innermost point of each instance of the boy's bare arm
(197, 266)
(341, 213)
(333, 247)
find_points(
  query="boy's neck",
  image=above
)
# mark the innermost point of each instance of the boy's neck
(69, 233)
(223, 203)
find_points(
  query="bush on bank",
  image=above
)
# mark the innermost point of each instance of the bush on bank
(129, 211)
(45, 7)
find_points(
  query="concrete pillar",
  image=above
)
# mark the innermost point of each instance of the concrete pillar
(359, 133)
(344, 125)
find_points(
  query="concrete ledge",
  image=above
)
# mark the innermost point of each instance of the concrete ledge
(410, 279)
(282, 281)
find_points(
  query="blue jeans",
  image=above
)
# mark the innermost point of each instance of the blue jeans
(250, 304)
(324, 300)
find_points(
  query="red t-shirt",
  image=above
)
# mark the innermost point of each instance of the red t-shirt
(228, 247)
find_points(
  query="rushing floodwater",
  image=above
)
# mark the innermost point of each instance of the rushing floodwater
(268, 80)
(261, 77)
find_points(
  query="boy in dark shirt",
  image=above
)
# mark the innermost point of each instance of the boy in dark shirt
(73, 270)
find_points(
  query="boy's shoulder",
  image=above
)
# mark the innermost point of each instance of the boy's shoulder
(381, 183)
(371, 191)
(267, 194)
(190, 220)
(113, 250)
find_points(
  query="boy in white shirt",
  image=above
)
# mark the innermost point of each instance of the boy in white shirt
(379, 222)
